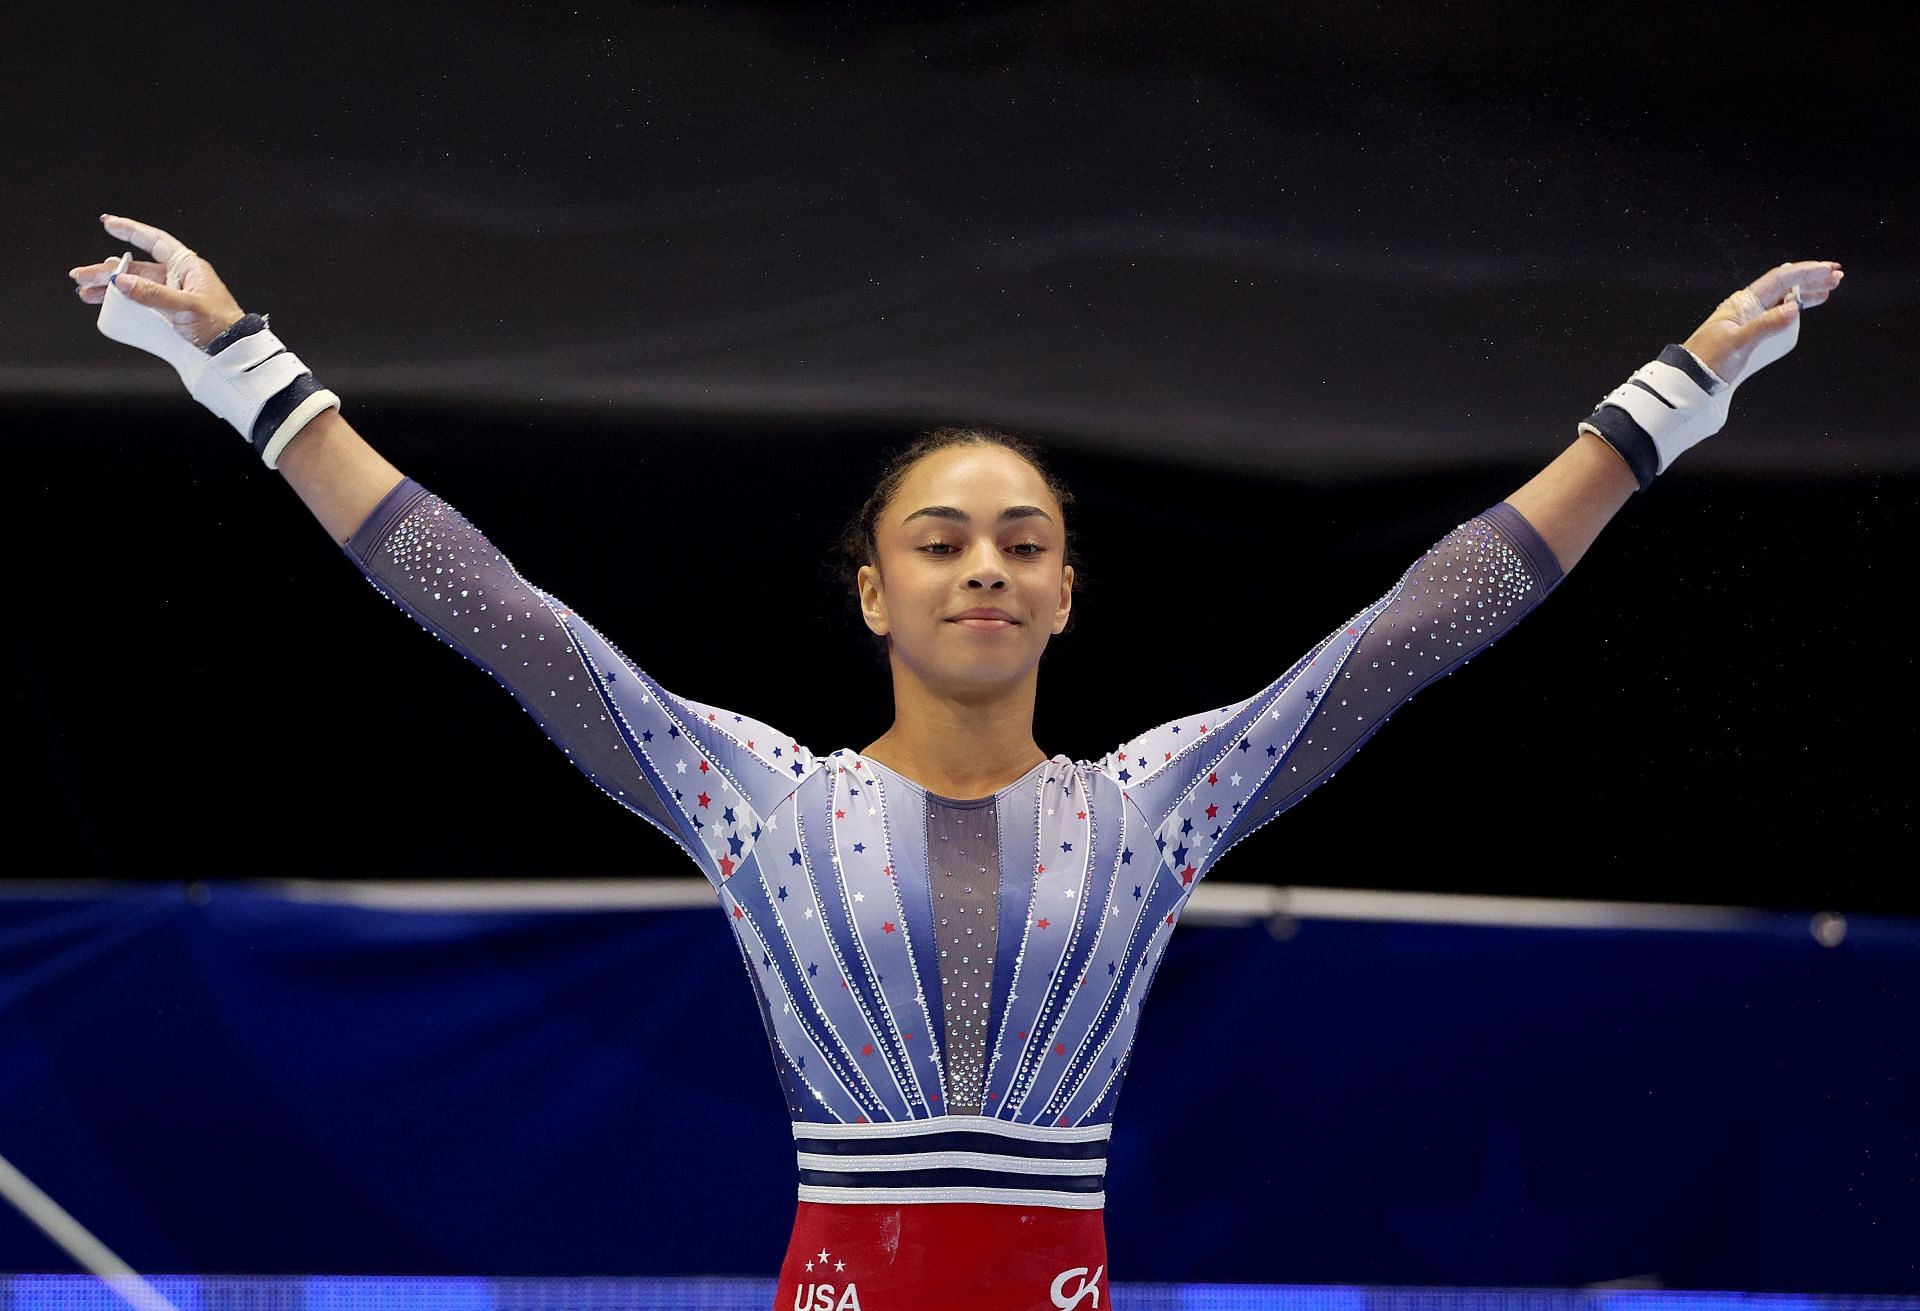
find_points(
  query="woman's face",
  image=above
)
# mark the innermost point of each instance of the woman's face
(971, 527)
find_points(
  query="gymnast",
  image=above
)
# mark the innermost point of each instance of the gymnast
(949, 932)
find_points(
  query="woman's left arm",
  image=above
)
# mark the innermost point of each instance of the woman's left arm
(1571, 500)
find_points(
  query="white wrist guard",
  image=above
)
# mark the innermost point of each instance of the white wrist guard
(1674, 402)
(238, 383)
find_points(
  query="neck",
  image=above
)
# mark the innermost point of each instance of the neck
(959, 744)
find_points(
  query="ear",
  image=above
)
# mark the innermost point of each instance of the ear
(873, 601)
(1066, 600)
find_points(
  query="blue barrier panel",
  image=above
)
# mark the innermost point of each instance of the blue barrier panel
(243, 1082)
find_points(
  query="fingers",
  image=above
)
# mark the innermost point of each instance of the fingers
(163, 246)
(90, 280)
(92, 275)
(1821, 285)
(1815, 279)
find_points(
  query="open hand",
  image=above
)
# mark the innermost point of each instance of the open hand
(1768, 305)
(176, 282)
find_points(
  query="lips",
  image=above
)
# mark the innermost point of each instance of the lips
(983, 612)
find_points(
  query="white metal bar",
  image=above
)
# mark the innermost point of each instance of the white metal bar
(92, 1254)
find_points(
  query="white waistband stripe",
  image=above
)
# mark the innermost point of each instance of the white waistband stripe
(947, 1160)
(990, 1196)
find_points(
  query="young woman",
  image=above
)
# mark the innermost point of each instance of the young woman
(950, 931)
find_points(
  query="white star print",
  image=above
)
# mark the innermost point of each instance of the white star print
(823, 1256)
(680, 765)
(808, 914)
(1236, 780)
(839, 1265)
(859, 896)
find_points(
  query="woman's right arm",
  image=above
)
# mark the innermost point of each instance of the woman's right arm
(703, 775)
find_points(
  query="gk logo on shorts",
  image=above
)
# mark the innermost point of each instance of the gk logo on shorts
(1089, 1287)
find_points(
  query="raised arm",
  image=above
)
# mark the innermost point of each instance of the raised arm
(704, 776)
(1204, 782)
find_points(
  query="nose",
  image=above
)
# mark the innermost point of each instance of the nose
(986, 570)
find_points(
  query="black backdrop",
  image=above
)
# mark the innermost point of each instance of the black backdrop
(1289, 290)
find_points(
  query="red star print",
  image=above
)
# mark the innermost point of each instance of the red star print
(1059, 1049)
(843, 983)
(709, 716)
(867, 1050)
(1040, 869)
(1212, 779)
(1023, 1035)
(738, 913)
(1169, 917)
(887, 927)
(1213, 812)
(859, 1119)
(839, 814)
(1063, 1122)
(1186, 875)
(1042, 923)
(909, 1037)
(703, 767)
(1169, 756)
(994, 1097)
(1081, 815)
(705, 800)
(726, 867)
(1203, 728)
(887, 870)
(749, 744)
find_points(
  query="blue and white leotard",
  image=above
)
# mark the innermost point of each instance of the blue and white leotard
(950, 987)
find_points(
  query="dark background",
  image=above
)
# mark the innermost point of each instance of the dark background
(1289, 291)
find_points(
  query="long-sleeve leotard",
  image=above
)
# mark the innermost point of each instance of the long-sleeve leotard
(950, 986)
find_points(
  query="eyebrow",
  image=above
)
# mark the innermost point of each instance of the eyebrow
(955, 513)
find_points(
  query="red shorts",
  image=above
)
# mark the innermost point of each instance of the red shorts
(932, 1256)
